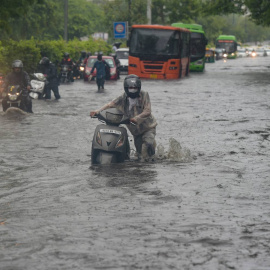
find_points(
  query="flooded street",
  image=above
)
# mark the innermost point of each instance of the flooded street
(207, 210)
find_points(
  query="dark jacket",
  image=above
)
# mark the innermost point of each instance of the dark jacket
(101, 68)
(14, 78)
(68, 62)
(51, 72)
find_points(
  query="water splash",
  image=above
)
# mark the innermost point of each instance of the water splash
(175, 152)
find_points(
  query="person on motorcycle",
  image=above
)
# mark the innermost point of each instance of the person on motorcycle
(135, 104)
(100, 66)
(82, 57)
(80, 63)
(50, 72)
(66, 61)
(18, 77)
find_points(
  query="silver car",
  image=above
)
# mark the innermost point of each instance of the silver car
(122, 55)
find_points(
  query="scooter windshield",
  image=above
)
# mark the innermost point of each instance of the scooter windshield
(114, 118)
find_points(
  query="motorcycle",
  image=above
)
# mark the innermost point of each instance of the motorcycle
(14, 98)
(38, 85)
(78, 71)
(81, 70)
(110, 141)
(66, 74)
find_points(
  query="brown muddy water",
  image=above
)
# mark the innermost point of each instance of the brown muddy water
(206, 207)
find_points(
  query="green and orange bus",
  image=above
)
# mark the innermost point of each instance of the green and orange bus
(229, 43)
(159, 52)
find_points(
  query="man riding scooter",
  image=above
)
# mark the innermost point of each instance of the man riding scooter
(136, 105)
(21, 78)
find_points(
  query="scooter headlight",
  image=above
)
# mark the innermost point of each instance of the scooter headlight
(98, 138)
(13, 97)
(81, 68)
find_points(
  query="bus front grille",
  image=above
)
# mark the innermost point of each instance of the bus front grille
(153, 67)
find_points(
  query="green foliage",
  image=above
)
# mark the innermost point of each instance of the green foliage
(257, 10)
(223, 7)
(182, 11)
(236, 25)
(13, 9)
(45, 20)
(31, 51)
(260, 11)
(24, 50)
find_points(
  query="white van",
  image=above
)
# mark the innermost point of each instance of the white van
(122, 55)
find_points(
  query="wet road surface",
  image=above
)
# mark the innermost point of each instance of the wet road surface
(204, 207)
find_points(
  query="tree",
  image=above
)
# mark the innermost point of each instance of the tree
(13, 9)
(183, 11)
(42, 17)
(257, 10)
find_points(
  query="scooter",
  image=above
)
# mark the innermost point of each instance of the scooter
(110, 141)
(38, 84)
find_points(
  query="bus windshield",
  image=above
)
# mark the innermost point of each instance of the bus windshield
(154, 42)
(228, 45)
(198, 42)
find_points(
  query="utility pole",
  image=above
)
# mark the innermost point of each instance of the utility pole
(149, 13)
(66, 20)
(129, 7)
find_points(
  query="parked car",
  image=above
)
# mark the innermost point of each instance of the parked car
(90, 63)
(122, 55)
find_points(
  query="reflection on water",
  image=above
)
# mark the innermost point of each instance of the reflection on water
(128, 174)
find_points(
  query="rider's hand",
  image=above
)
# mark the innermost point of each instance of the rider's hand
(28, 87)
(93, 113)
(133, 120)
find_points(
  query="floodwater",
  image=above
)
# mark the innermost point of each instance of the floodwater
(206, 207)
